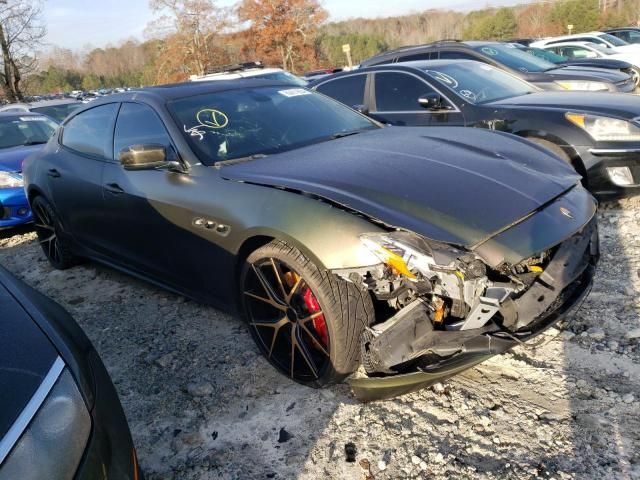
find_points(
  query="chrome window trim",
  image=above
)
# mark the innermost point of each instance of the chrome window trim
(455, 107)
(613, 151)
(30, 410)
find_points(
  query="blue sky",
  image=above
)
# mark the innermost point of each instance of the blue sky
(76, 23)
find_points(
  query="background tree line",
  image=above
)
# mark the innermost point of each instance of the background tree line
(190, 36)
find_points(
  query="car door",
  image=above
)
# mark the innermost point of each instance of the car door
(395, 101)
(75, 178)
(351, 90)
(138, 230)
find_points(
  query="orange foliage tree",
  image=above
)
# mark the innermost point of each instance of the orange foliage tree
(283, 30)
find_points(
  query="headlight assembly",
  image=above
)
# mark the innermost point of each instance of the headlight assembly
(10, 180)
(605, 129)
(54, 442)
(407, 253)
(581, 85)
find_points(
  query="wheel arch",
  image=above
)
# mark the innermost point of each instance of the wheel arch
(568, 149)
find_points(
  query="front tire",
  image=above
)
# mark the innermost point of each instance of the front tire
(306, 321)
(50, 235)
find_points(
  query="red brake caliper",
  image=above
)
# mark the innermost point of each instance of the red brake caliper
(319, 323)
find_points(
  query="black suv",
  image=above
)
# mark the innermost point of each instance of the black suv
(628, 34)
(509, 57)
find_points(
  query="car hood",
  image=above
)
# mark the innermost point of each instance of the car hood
(631, 48)
(599, 63)
(11, 158)
(455, 185)
(26, 356)
(617, 104)
(574, 72)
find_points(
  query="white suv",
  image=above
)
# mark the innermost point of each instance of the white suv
(599, 38)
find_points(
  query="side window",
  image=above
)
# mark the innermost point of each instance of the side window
(626, 36)
(90, 132)
(138, 125)
(454, 55)
(399, 92)
(348, 90)
(419, 56)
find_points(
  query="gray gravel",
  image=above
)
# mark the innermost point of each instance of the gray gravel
(203, 404)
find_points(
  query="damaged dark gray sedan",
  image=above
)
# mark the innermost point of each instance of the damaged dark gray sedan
(414, 252)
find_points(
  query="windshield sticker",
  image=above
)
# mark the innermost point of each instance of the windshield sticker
(33, 119)
(448, 80)
(294, 92)
(490, 51)
(207, 118)
(468, 94)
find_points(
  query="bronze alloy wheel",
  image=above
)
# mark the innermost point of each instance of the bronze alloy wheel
(286, 320)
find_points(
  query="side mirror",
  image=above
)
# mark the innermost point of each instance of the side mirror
(147, 157)
(432, 101)
(361, 108)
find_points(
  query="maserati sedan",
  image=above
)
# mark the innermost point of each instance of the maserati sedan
(60, 417)
(597, 133)
(414, 252)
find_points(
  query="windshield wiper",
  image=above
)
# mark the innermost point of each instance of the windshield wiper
(345, 134)
(35, 142)
(248, 158)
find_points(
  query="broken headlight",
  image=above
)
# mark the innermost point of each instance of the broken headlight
(408, 254)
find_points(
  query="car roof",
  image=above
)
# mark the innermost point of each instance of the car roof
(432, 46)
(19, 114)
(162, 93)
(412, 65)
(48, 103)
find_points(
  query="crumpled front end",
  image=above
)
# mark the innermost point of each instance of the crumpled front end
(442, 309)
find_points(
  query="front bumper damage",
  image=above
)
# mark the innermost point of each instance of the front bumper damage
(406, 353)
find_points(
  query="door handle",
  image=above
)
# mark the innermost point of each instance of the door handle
(114, 188)
(52, 172)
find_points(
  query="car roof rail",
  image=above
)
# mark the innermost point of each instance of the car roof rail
(234, 67)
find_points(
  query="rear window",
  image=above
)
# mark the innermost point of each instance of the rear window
(27, 130)
(57, 112)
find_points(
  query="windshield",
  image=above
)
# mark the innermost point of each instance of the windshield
(544, 54)
(615, 41)
(285, 77)
(27, 130)
(478, 83)
(57, 112)
(600, 48)
(261, 121)
(511, 56)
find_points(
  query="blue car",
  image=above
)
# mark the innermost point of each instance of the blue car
(21, 134)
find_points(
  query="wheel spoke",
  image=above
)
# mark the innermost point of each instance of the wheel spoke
(314, 339)
(48, 239)
(277, 273)
(298, 341)
(311, 317)
(277, 326)
(268, 301)
(41, 225)
(294, 289)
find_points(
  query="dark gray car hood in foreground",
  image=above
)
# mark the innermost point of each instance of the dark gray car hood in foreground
(26, 356)
(455, 185)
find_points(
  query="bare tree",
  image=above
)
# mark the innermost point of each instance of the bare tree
(189, 30)
(21, 33)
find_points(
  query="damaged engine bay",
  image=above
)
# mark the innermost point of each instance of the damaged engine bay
(445, 304)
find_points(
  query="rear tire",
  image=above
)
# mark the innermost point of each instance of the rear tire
(51, 236)
(291, 305)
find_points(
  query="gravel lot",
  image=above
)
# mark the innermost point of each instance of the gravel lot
(203, 404)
